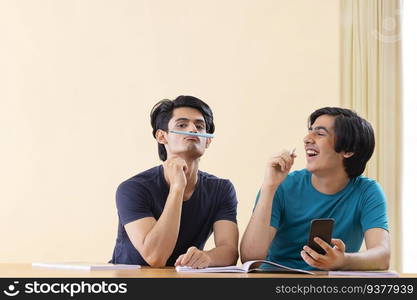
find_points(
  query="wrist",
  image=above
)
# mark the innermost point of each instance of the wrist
(177, 192)
(269, 186)
(346, 262)
(209, 256)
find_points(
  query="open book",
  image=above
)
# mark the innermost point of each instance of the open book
(249, 266)
(84, 266)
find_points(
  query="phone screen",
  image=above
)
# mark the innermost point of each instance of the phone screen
(321, 228)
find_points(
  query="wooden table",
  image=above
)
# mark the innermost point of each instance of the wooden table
(8, 270)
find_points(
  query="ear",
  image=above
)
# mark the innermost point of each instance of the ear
(208, 142)
(348, 154)
(161, 137)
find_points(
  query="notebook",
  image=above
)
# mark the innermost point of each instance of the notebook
(364, 273)
(85, 266)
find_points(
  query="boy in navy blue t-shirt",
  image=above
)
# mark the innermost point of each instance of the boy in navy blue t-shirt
(167, 213)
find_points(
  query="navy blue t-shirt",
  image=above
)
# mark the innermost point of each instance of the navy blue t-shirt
(145, 194)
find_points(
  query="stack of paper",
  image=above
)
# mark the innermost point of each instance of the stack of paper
(364, 273)
(84, 266)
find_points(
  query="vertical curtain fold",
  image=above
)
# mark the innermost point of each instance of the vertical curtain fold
(371, 86)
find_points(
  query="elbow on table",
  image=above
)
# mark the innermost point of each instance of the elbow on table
(385, 261)
(249, 253)
(155, 261)
(234, 258)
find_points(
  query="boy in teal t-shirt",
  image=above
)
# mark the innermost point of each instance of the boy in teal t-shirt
(338, 146)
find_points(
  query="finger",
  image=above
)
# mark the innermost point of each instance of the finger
(186, 259)
(289, 160)
(278, 155)
(196, 255)
(274, 161)
(196, 260)
(285, 151)
(202, 262)
(292, 158)
(188, 256)
(173, 158)
(308, 259)
(339, 244)
(286, 155)
(178, 261)
(326, 247)
(181, 163)
(312, 253)
(281, 163)
(284, 159)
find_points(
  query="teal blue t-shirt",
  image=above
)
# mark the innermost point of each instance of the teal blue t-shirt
(359, 206)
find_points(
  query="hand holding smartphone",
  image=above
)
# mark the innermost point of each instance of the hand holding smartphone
(321, 228)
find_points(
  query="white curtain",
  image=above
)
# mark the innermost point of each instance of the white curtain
(371, 85)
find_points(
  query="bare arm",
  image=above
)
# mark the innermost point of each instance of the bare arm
(155, 240)
(226, 239)
(224, 254)
(377, 254)
(259, 233)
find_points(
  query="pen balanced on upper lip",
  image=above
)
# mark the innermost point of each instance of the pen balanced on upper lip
(205, 135)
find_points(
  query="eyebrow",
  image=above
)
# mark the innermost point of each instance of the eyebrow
(186, 119)
(318, 128)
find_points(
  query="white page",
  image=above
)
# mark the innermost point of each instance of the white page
(364, 273)
(84, 266)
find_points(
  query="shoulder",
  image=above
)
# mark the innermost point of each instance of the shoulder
(139, 181)
(296, 178)
(211, 179)
(367, 185)
(299, 174)
(369, 192)
(217, 188)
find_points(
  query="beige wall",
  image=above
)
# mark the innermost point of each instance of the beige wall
(77, 82)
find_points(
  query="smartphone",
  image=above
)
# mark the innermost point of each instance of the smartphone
(321, 228)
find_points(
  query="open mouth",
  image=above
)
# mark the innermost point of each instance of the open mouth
(312, 153)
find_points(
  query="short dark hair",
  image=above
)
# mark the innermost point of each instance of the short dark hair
(353, 134)
(162, 111)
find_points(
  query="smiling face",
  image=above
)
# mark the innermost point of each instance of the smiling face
(184, 119)
(319, 145)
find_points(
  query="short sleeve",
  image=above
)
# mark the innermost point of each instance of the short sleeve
(228, 204)
(133, 202)
(276, 207)
(374, 208)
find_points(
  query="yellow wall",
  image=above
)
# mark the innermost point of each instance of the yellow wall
(78, 80)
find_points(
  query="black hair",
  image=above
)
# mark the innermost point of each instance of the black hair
(353, 134)
(162, 111)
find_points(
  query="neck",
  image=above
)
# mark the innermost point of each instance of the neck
(330, 183)
(191, 174)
